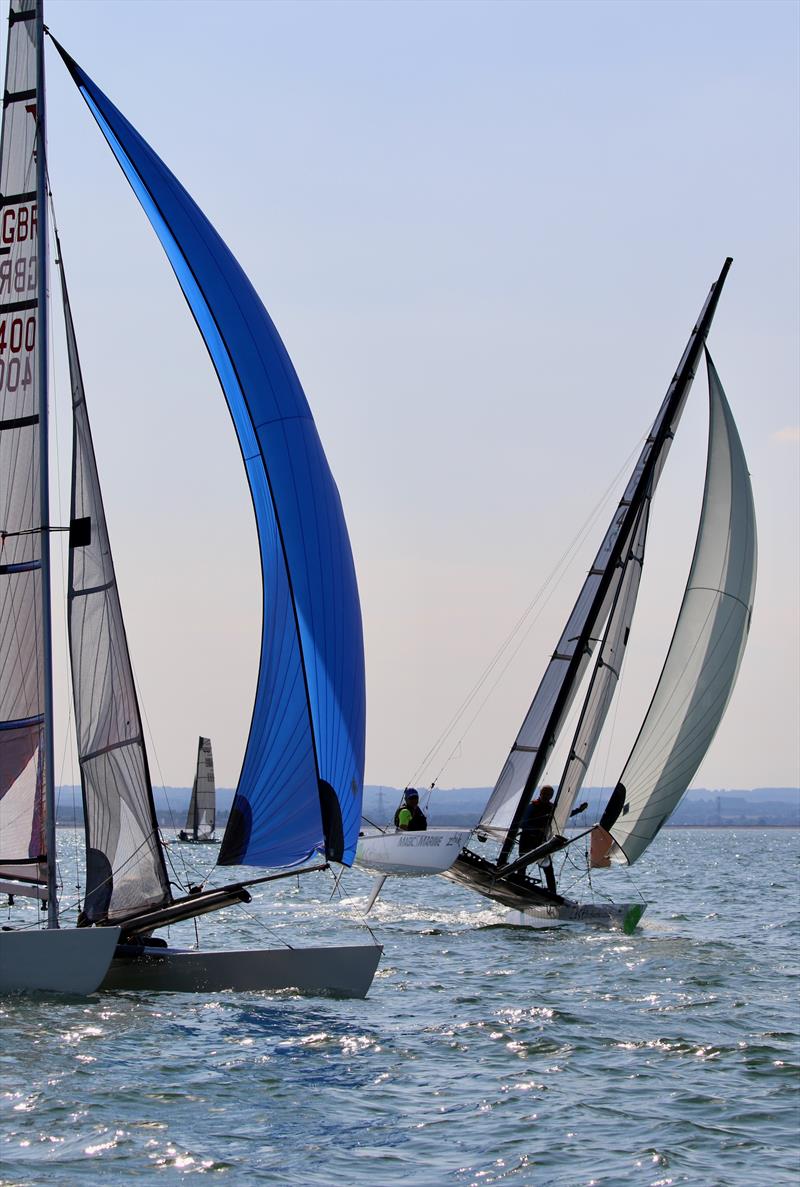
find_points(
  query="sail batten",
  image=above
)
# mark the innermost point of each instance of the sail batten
(302, 776)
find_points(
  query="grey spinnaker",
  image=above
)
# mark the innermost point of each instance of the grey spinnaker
(703, 661)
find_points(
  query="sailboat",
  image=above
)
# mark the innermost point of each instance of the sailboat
(300, 788)
(691, 695)
(201, 819)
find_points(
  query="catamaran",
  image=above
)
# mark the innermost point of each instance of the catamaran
(692, 693)
(201, 820)
(299, 793)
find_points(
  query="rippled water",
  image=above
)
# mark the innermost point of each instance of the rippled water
(484, 1054)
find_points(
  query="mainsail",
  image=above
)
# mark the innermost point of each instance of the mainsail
(23, 511)
(605, 676)
(551, 703)
(301, 782)
(202, 816)
(124, 861)
(706, 650)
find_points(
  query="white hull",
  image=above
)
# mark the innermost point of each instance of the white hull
(74, 960)
(622, 915)
(345, 971)
(411, 854)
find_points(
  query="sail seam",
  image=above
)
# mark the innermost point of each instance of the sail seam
(722, 593)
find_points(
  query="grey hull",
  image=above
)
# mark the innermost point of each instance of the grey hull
(622, 915)
(74, 960)
(344, 971)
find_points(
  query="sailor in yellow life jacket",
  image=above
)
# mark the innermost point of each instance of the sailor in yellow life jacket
(409, 816)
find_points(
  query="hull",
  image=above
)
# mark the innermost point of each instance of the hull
(411, 854)
(343, 971)
(622, 915)
(531, 904)
(74, 960)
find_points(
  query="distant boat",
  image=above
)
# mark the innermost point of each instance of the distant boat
(201, 820)
(689, 701)
(300, 788)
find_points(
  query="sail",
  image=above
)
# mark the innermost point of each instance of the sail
(561, 680)
(22, 660)
(201, 819)
(706, 650)
(605, 676)
(124, 861)
(301, 782)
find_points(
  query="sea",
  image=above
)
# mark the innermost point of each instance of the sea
(485, 1054)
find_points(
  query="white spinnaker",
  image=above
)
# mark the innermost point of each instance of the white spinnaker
(21, 606)
(707, 647)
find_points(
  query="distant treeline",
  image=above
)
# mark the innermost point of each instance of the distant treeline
(700, 807)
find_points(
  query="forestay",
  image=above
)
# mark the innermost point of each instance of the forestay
(301, 781)
(706, 650)
(124, 862)
(22, 750)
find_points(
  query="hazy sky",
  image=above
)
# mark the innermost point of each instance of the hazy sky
(484, 232)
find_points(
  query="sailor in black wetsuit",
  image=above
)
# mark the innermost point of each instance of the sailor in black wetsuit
(534, 830)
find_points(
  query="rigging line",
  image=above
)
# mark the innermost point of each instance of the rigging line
(54, 396)
(362, 916)
(166, 847)
(260, 923)
(553, 579)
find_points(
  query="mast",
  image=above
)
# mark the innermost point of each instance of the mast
(44, 476)
(647, 467)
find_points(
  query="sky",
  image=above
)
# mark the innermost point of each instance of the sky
(484, 232)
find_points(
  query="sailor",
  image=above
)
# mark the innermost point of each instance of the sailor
(536, 821)
(534, 830)
(409, 816)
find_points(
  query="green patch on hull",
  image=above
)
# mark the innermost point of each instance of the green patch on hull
(632, 917)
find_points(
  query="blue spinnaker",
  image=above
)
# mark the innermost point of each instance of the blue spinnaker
(301, 782)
